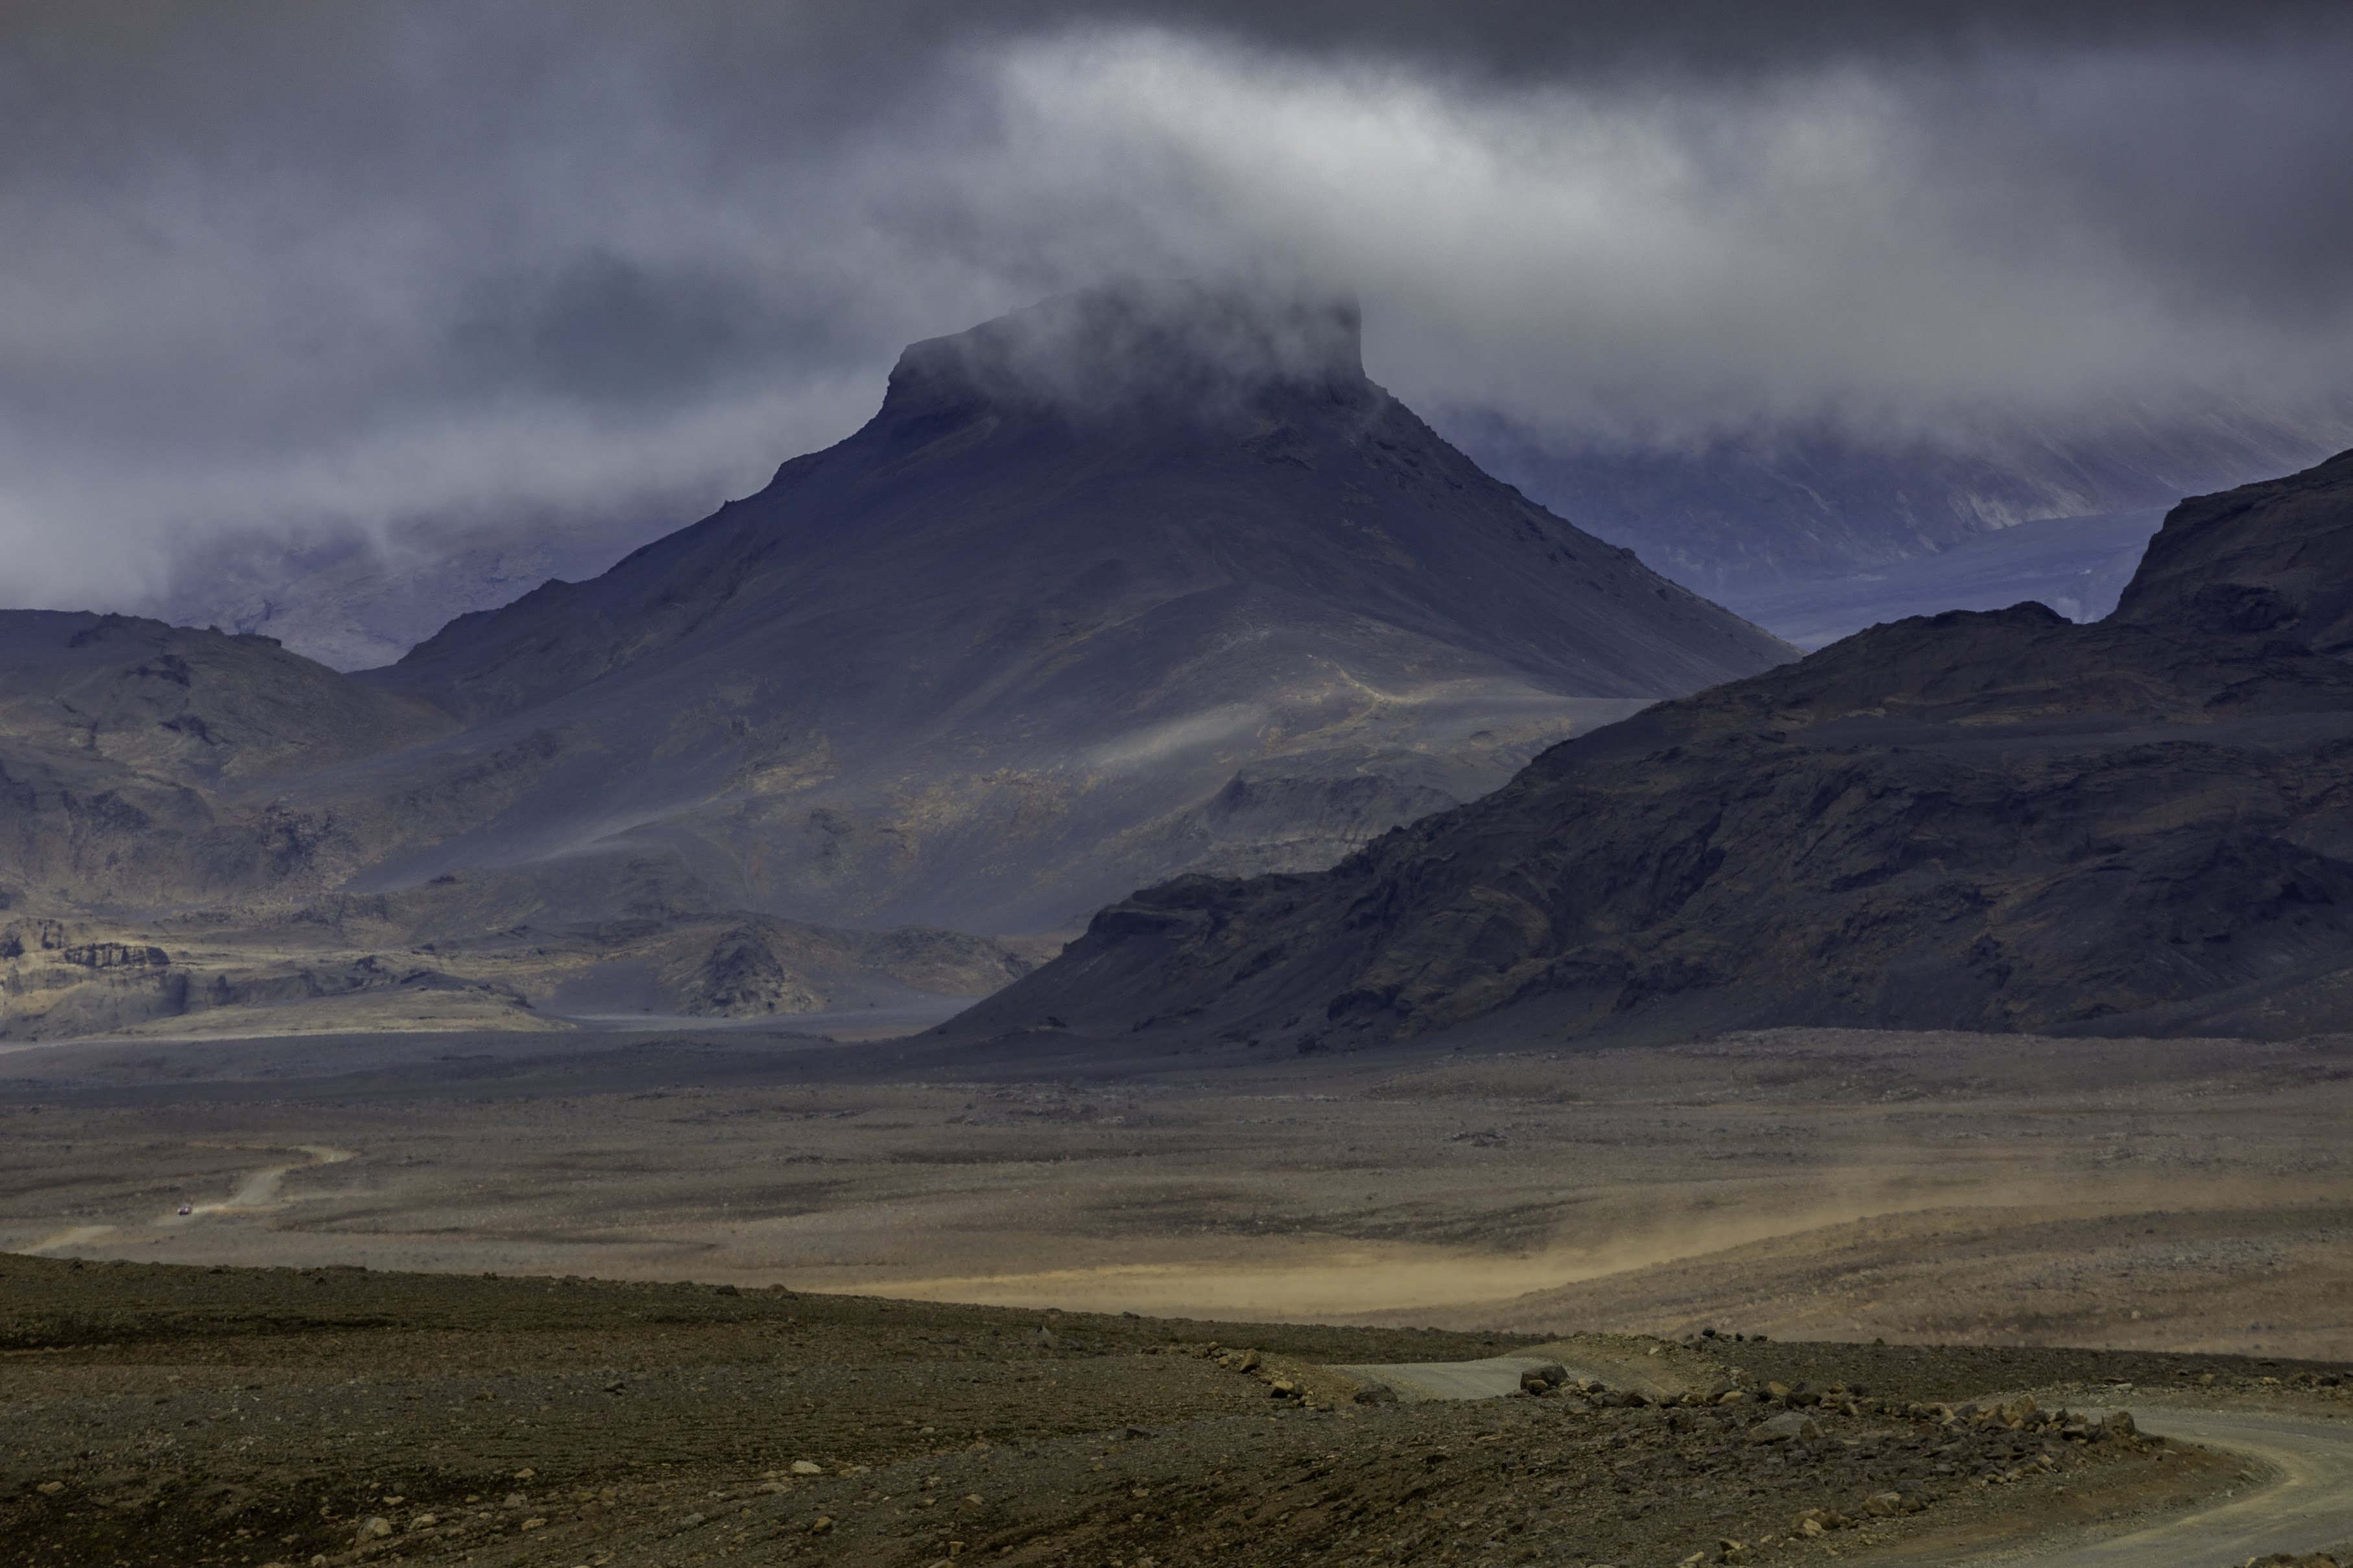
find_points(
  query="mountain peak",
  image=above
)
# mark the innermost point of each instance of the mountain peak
(1161, 346)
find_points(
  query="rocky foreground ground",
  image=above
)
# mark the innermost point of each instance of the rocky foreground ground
(160, 1415)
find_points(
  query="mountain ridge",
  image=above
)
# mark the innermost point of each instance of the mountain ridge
(1987, 820)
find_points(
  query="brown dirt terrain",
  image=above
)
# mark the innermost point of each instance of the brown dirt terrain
(163, 1415)
(1808, 1184)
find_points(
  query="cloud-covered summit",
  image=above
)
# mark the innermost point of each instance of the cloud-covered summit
(1180, 345)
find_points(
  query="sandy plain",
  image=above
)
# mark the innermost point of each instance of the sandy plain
(2185, 1195)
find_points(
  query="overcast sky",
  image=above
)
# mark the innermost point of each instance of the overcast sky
(297, 266)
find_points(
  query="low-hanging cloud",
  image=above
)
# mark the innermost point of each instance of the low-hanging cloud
(367, 270)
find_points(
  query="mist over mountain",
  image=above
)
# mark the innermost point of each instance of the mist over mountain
(1985, 821)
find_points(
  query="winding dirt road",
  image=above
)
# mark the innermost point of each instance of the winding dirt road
(255, 1192)
(259, 1189)
(2302, 1502)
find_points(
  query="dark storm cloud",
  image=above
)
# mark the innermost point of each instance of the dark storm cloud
(296, 269)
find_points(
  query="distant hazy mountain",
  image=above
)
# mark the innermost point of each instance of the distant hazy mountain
(1815, 533)
(2075, 565)
(1977, 821)
(1135, 583)
(352, 603)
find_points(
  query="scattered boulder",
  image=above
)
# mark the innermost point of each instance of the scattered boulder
(1376, 1394)
(1543, 1380)
(1784, 1427)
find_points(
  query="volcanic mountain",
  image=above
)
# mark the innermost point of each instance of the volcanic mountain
(1133, 581)
(1986, 821)
(1136, 582)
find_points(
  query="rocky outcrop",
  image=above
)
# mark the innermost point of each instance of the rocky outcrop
(394, 963)
(1983, 821)
(2272, 560)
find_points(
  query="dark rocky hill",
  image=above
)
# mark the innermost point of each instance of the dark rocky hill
(1985, 821)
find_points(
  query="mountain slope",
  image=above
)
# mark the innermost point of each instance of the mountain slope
(1993, 821)
(1097, 576)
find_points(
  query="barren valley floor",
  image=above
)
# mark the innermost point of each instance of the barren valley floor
(679, 1299)
(1945, 1188)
